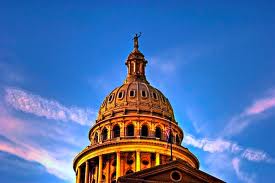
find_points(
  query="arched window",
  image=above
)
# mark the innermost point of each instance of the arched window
(116, 131)
(158, 132)
(177, 139)
(144, 131)
(104, 134)
(130, 130)
(171, 138)
(96, 138)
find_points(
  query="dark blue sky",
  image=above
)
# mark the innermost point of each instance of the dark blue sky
(214, 60)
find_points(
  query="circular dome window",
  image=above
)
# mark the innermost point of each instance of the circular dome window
(176, 176)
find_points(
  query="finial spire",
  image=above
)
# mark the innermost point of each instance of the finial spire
(136, 40)
(136, 64)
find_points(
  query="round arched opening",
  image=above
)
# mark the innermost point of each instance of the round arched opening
(177, 139)
(116, 131)
(158, 132)
(96, 138)
(130, 130)
(144, 131)
(104, 134)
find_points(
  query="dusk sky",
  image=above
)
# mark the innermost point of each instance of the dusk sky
(214, 60)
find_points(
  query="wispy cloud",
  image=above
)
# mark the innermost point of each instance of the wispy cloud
(260, 106)
(51, 109)
(221, 145)
(53, 165)
(217, 145)
(55, 156)
(241, 175)
(256, 155)
(250, 114)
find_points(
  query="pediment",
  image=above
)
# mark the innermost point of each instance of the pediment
(176, 171)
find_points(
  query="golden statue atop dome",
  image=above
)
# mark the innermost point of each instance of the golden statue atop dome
(136, 40)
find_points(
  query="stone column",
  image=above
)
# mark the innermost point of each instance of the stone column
(108, 171)
(117, 165)
(87, 172)
(99, 169)
(137, 161)
(78, 175)
(96, 173)
(122, 129)
(157, 159)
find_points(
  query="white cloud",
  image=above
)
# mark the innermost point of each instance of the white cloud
(51, 109)
(240, 174)
(221, 145)
(255, 155)
(217, 145)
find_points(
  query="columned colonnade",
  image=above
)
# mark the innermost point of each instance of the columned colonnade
(100, 163)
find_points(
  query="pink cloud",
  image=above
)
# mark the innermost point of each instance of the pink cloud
(249, 115)
(260, 106)
(17, 141)
(54, 166)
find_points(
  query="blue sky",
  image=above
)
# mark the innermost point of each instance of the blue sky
(214, 60)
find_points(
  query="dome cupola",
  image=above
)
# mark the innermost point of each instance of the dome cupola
(136, 64)
(136, 95)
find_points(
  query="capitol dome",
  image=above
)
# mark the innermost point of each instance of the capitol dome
(136, 95)
(131, 133)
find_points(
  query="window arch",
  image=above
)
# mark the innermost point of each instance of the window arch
(121, 94)
(177, 139)
(96, 138)
(144, 131)
(158, 132)
(116, 131)
(171, 138)
(130, 130)
(104, 134)
(111, 97)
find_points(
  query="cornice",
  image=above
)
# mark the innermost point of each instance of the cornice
(184, 151)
